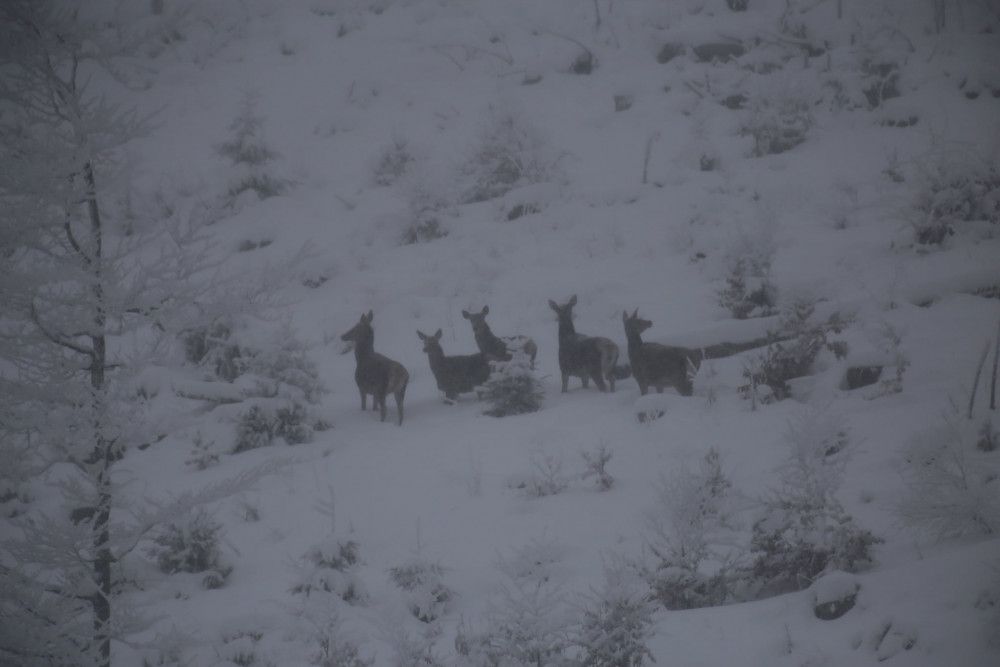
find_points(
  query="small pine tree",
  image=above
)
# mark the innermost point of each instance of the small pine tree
(192, 546)
(529, 622)
(331, 567)
(690, 537)
(805, 530)
(616, 623)
(512, 388)
(951, 484)
(427, 596)
(250, 155)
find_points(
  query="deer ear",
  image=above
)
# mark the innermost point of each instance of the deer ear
(635, 313)
(421, 335)
(553, 306)
(466, 315)
(486, 310)
(572, 300)
(437, 335)
(371, 316)
(625, 316)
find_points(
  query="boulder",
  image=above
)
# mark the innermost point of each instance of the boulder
(834, 595)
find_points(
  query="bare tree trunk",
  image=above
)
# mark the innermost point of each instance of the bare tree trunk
(975, 380)
(993, 380)
(103, 457)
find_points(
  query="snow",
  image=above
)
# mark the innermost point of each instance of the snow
(447, 486)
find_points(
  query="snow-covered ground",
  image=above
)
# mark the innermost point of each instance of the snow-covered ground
(649, 208)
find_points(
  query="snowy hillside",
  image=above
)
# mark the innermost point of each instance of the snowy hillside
(811, 187)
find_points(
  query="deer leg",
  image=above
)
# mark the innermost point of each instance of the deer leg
(586, 381)
(380, 402)
(364, 400)
(611, 381)
(599, 381)
(565, 383)
(399, 405)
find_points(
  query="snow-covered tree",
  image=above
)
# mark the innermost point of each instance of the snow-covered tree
(617, 621)
(804, 529)
(88, 297)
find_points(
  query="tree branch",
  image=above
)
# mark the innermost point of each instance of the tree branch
(58, 340)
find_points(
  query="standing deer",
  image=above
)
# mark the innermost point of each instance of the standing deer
(656, 365)
(498, 348)
(585, 357)
(455, 375)
(375, 374)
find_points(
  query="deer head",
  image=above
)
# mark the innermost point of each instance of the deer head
(362, 331)
(633, 323)
(432, 344)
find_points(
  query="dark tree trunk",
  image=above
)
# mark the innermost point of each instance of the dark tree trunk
(103, 456)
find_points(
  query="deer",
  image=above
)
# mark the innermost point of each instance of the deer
(376, 374)
(498, 348)
(586, 357)
(656, 365)
(455, 375)
(660, 366)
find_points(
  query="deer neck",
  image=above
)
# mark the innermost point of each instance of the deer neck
(364, 350)
(634, 339)
(485, 338)
(566, 328)
(436, 358)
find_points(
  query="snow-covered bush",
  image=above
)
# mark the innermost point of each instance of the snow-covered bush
(509, 153)
(952, 487)
(282, 366)
(617, 622)
(210, 346)
(529, 621)
(426, 206)
(250, 156)
(276, 375)
(279, 365)
(254, 429)
(202, 454)
(512, 388)
(393, 163)
(596, 463)
(749, 291)
(880, 80)
(336, 650)
(953, 191)
(778, 123)
(891, 344)
(804, 529)
(192, 546)
(546, 478)
(427, 596)
(331, 567)
(415, 650)
(262, 424)
(793, 356)
(691, 538)
(241, 649)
